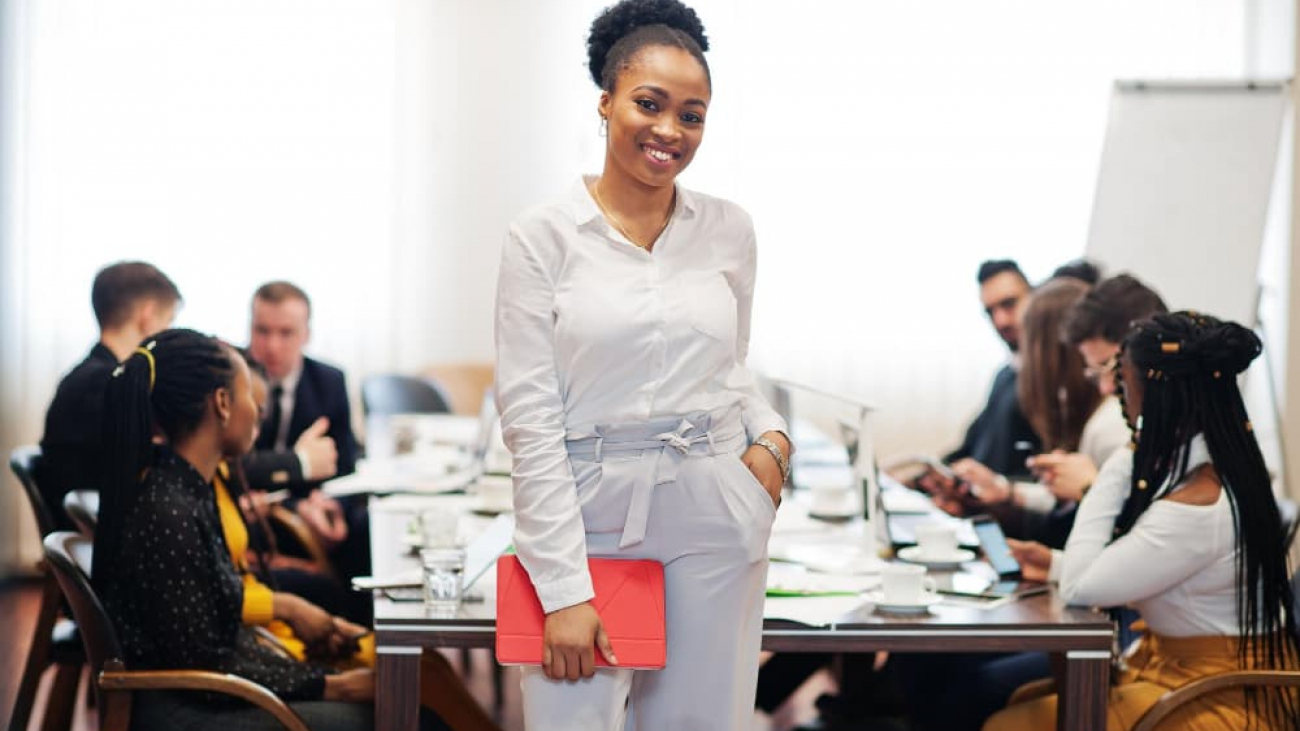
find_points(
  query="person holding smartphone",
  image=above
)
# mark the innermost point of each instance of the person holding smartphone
(622, 327)
(1193, 539)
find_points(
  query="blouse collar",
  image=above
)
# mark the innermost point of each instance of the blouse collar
(585, 210)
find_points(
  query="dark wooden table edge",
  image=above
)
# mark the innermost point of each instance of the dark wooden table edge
(836, 638)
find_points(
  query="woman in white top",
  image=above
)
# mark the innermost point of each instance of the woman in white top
(1165, 531)
(623, 319)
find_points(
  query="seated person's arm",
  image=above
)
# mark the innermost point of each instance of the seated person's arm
(269, 470)
(324, 516)
(193, 605)
(1159, 552)
(1067, 475)
(313, 459)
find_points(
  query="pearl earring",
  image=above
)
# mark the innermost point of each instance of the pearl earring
(604, 127)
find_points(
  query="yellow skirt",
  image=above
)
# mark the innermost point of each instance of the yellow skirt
(1158, 665)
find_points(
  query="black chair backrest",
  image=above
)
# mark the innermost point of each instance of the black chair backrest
(395, 394)
(82, 506)
(25, 462)
(69, 556)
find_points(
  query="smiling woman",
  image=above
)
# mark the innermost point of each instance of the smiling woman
(623, 317)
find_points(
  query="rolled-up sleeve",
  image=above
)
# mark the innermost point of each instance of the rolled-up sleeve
(549, 534)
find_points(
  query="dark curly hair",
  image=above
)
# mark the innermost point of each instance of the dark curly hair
(622, 30)
(1109, 310)
(1188, 363)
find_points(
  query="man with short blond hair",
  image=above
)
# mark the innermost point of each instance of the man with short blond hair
(306, 435)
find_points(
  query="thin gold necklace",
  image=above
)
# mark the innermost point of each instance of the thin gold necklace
(618, 225)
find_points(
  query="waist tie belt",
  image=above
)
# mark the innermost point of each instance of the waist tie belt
(663, 444)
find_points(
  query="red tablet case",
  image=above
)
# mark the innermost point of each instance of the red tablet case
(629, 599)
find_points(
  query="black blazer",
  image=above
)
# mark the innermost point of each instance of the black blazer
(73, 446)
(992, 438)
(321, 391)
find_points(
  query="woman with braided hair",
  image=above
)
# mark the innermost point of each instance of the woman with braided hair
(179, 406)
(1187, 531)
(622, 325)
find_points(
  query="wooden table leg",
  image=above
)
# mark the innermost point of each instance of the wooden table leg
(397, 688)
(1082, 702)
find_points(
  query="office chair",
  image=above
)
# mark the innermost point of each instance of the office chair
(54, 641)
(114, 685)
(390, 393)
(82, 506)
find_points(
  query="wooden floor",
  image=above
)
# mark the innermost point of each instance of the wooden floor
(19, 601)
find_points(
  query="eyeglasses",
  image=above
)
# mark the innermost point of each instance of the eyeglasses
(1095, 374)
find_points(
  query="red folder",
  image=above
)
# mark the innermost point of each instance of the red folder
(629, 599)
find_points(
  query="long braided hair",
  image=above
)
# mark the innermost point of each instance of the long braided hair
(161, 389)
(1188, 364)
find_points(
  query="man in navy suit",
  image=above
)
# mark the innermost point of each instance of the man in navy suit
(306, 436)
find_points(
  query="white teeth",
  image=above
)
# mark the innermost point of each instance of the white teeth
(659, 155)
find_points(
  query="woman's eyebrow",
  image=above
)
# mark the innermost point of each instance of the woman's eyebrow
(661, 93)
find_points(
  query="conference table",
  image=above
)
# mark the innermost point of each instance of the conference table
(1081, 638)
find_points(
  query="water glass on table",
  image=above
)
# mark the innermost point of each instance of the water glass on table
(444, 576)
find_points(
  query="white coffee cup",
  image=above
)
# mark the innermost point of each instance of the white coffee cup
(936, 540)
(495, 493)
(902, 583)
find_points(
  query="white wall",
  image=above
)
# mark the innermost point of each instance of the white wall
(375, 151)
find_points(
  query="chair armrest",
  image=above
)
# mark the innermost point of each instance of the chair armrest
(297, 527)
(133, 680)
(1174, 699)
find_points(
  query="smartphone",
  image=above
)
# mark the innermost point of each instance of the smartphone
(994, 545)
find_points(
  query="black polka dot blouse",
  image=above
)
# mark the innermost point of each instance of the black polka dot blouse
(175, 596)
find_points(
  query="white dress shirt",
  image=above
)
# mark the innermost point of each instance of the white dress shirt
(592, 329)
(1176, 565)
(288, 400)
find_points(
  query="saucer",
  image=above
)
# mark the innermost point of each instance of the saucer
(834, 515)
(913, 554)
(921, 607)
(491, 511)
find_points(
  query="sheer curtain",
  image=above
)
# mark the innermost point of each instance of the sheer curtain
(375, 151)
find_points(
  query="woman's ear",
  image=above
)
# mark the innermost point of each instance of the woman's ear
(603, 107)
(223, 404)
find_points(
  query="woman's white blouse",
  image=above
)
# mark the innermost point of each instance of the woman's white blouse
(591, 329)
(1176, 565)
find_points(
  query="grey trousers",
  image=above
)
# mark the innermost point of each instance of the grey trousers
(708, 524)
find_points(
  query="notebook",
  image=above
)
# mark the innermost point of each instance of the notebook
(629, 599)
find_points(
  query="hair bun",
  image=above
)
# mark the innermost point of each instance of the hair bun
(619, 20)
(1227, 348)
(1186, 344)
